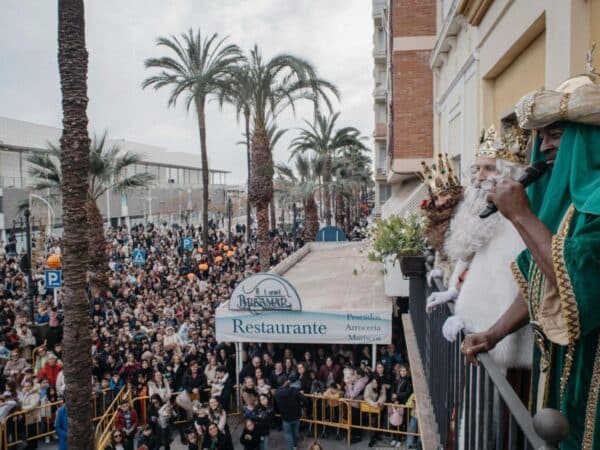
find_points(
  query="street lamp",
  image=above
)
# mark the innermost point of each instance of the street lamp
(229, 217)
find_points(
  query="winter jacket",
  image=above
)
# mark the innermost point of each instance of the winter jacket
(14, 368)
(253, 443)
(164, 391)
(372, 397)
(336, 374)
(265, 419)
(402, 388)
(61, 427)
(190, 382)
(121, 422)
(50, 373)
(289, 401)
(354, 390)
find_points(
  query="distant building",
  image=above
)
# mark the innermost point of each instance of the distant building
(175, 196)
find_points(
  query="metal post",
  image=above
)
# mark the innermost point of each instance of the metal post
(30, 291)
(229, 217)
(373, 357)
(294, 226)
(238, 358)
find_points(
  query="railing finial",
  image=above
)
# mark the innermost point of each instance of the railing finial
(551, 426)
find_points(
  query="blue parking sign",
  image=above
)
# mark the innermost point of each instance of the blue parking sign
(188, 244)
(53, 279)
(139, 257)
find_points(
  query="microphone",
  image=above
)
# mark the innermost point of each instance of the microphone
(531, 175)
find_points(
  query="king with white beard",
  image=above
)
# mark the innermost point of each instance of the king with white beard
(485, 248)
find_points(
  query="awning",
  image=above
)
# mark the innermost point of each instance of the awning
(340, 300)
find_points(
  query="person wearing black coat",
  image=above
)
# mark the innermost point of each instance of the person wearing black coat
(264, 416)
(148, 439)
(251, 436)
(216, 440)
(402, 387)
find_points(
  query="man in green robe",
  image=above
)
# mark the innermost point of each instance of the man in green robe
(559, 273)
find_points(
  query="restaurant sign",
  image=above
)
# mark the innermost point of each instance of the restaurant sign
(265, 292)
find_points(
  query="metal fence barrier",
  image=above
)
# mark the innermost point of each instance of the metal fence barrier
(474, 407)
(38, 423)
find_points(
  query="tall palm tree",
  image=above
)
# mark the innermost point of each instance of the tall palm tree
(238, 92)
(200, 69)
(75, 144)
(275, 135)
(301, 185)
(277, 85)
(322, 137)
(108, 167)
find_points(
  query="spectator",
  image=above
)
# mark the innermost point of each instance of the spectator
(251, 436)
(289, 402)
(216, 439)
(126, 421)
(61, 427)
(264, 415)
(375, 396)
(117, 439)
(15, 366)
(157, 385)
(50, 370)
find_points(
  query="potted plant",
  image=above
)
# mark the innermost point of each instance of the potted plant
(401, 239)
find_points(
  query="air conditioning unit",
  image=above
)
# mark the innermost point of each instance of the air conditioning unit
(380, 171)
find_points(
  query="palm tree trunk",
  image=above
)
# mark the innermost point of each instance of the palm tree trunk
(261, 191)
(74, 159)
(98, 260)
(248, 205)
(273, 213)
(204, 153)
(321, 197)
(312, 220)
(339, 211)
(326, 191)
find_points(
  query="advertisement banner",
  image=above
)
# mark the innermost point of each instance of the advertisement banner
(350, 327)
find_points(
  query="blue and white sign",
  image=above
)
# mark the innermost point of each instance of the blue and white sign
(323, 327)
(188, 244)
(139, 257)
(53, 279)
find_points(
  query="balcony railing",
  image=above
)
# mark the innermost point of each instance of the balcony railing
(474, 407)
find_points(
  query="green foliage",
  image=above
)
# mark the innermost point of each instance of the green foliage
(397, 237)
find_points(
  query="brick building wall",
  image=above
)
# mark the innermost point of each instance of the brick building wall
(412, 82)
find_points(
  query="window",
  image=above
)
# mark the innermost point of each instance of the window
(381, 113)
(382, 156)
(381, 39)
(385, 192)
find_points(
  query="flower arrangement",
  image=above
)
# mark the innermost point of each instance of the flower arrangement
(397, 237)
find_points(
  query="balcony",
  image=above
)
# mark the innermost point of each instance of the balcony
(379, 55)
(477, 402)
(380, 91)
(378, 11)
(380, 174)
(380, 131)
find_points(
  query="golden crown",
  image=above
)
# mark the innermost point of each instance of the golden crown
(439, 176)
(512, 146)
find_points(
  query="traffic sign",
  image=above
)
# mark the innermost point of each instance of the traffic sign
(188, 244)
(53, 279)
(139, 257)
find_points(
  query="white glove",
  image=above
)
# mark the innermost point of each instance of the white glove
(452, 327)
(439, 298)
(434, 273)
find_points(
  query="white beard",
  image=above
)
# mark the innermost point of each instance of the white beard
(468, 233)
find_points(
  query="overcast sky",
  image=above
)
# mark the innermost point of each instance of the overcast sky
(335, 35)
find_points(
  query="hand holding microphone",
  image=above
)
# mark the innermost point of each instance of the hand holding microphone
(531, 175)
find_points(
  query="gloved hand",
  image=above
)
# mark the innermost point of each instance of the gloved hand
(439, 298)
(434, 273)
(452, 327)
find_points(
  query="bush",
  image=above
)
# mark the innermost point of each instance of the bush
(397, 237)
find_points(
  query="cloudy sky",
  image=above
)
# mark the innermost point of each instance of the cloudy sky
(335, 35)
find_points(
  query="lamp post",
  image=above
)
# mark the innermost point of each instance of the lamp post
(229, 206)
(30, 289)
(294, 226)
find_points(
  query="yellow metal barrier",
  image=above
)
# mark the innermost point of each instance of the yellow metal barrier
(327, 412)
(106, 421)
(38, 423)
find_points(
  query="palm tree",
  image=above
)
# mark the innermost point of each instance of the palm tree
(277, 85)
(351, 175)
(108, 167)
(302, 185)
(275, 135)
(238, 92)
(75, 144)
(323, 138)
(200, 69)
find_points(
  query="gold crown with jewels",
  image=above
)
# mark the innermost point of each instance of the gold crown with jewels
(439, 176)
(512, 146)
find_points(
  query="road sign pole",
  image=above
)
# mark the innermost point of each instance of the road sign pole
(55, 297)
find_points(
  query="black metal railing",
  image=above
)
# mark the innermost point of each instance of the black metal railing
(474, 407)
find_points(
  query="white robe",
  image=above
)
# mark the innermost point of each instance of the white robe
(488, 291)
